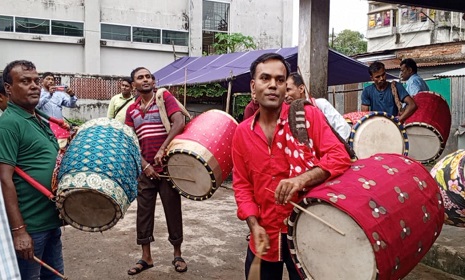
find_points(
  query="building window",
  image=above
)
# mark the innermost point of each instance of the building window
(6, 23)
(146, 35)
(32, 25)
(215, 20)
(215, 16)
(67, 28)
(413, 14)
(116, 32)
(381, 19)
(175, 37)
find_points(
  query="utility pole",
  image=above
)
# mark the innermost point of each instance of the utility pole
(332, 38)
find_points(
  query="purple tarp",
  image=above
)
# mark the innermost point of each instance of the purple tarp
(235, 67)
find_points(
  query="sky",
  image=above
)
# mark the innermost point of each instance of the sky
(344, 14)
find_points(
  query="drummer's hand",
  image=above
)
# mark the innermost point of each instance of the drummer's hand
(23, 243)
(287, 188)
(151, 173)
(261, 239)
(159, 157)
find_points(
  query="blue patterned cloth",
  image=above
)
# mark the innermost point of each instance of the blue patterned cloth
(108, 149)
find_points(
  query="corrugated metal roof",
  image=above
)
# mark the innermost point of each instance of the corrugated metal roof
(453, 73)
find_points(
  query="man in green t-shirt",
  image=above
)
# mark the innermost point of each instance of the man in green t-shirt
(27, 142)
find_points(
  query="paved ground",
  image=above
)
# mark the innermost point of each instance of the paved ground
(214, 246)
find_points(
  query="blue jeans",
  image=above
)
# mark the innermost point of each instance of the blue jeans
(47, 247)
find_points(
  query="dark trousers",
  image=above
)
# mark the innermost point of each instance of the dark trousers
(274, 270)
(146, 199)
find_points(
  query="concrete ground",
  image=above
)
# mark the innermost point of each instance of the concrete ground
(214, 247)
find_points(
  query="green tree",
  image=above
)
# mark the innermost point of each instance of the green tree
(228, 43)
(348, 42)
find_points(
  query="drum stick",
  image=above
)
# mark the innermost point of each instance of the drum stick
(313, 215)
(177, 178)
(50, 268)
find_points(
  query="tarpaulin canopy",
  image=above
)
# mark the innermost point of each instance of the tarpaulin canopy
(235, 67)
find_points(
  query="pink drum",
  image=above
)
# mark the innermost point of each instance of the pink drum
(199, 159)
(429, 127)
(377, 132)
(390, 211)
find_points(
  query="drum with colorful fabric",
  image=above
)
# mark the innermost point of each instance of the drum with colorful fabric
(390, 211)
(352, 117)
(378, 132)
(199, 159)
(97, 179)
(450, 176)
(429, 127)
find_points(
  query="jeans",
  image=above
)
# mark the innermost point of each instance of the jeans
(274, 270)
(47, 247)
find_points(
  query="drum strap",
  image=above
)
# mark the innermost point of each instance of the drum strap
(160, 101)
(297, 120)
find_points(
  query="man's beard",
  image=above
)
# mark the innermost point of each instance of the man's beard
(142, 90)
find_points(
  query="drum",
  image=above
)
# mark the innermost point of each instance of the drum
(199, 159)
(97, 179)
(390, 211)
(429, 127)
(450, 176)
(378, 132)
(352, 117)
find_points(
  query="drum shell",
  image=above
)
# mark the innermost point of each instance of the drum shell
(208, 139)
(100, 166)
(392, 199)
(431, 119)
(450, 176)
(377, 132)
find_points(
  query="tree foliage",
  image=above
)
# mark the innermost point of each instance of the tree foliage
(228, 43)
(349, 42)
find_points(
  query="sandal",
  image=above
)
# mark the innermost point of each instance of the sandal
(136, 270)
(177, 266)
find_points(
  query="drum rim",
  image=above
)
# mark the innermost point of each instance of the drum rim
(60, 200)
(204, 163)
(390, 117)
(291, 233)
(435, 131)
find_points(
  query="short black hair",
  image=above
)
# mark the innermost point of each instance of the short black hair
(2, 87)
(46, 74)
(264, 58)
(297, 78)
(23, 63)
(127, 79)
(375, 67)
(410, 63)
(133, 72)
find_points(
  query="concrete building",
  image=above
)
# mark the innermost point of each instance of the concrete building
(111, 37)
(391, 26)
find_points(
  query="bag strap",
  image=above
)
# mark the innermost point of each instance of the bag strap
(297, 120)
(122, 106)
(160, 101)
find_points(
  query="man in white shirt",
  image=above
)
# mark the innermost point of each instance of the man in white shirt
(52, 100)
(296, 90)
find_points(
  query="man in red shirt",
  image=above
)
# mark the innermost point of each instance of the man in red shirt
(144, 117)
(262, 153)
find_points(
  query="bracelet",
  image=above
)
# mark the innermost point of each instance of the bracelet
(18, 228)
(147, 166)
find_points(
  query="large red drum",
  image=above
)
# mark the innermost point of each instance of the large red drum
(390, 211)
(450, 176)
(429, 127)
(376, 132)
(199, 159)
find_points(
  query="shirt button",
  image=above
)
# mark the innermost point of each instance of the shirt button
(273, 178)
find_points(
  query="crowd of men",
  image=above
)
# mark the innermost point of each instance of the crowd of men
(30, 225)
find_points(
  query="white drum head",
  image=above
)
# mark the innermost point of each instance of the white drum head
(325, 254)
(185, 166)
(424, 144)
(377, 134)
